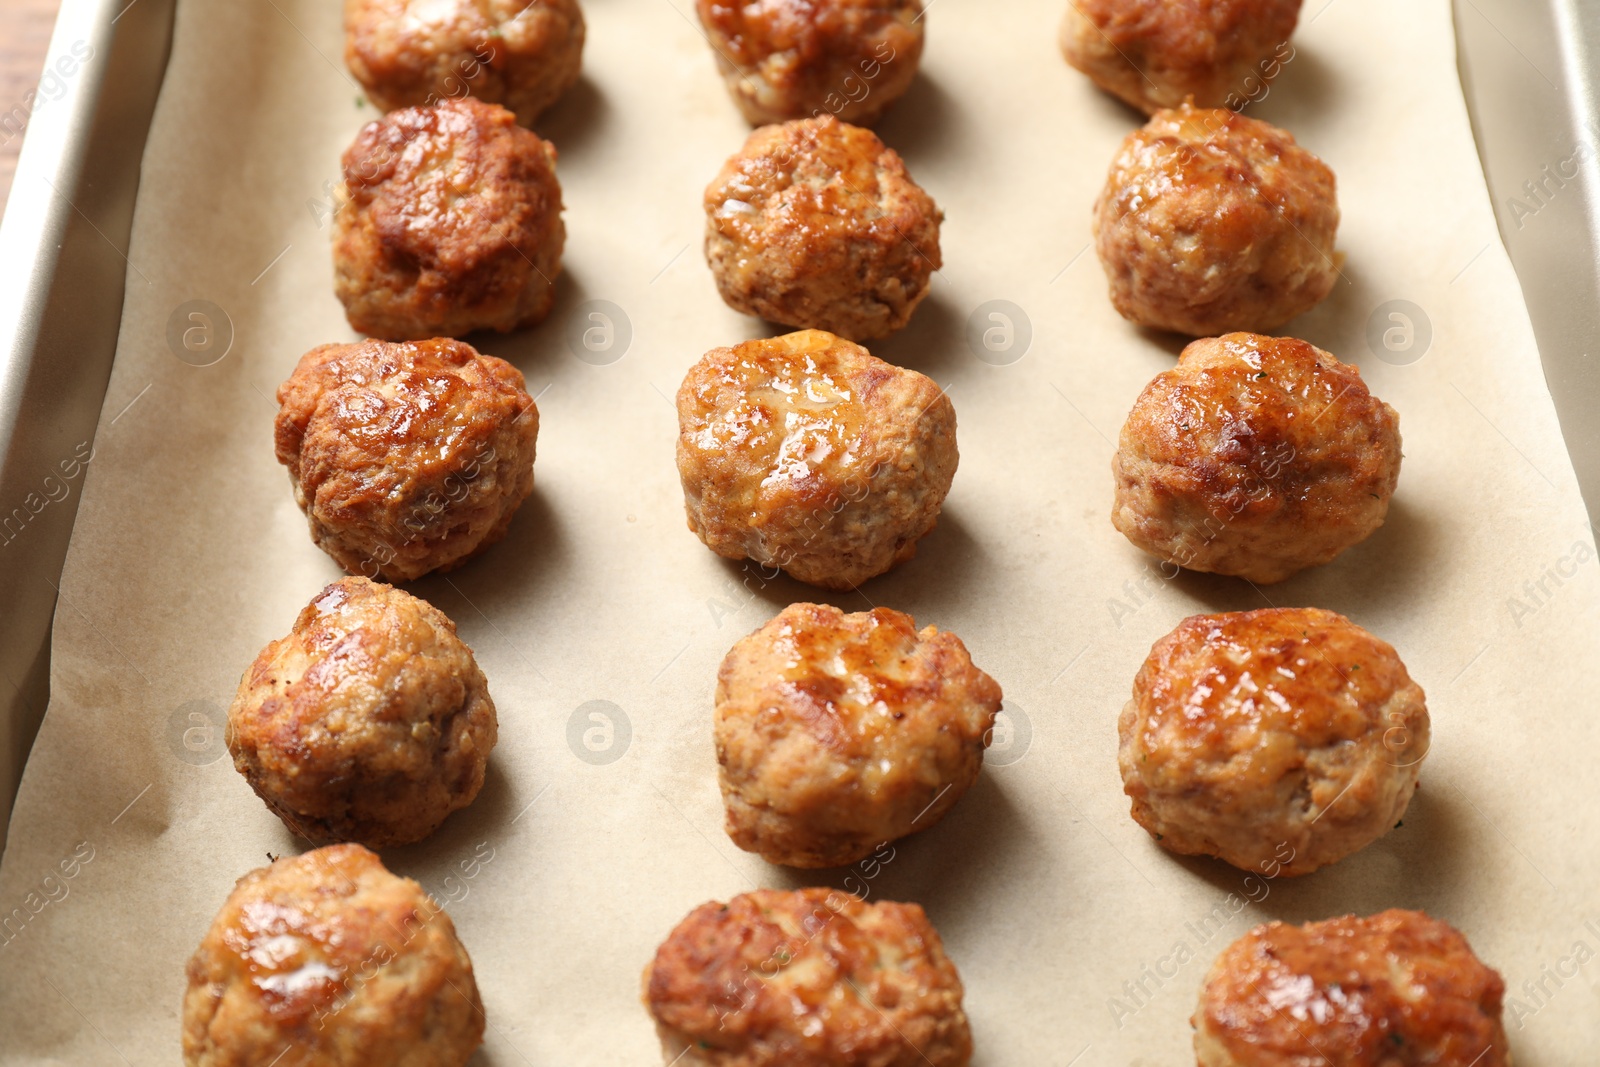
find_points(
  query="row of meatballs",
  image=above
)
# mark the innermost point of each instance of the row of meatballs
(788, 59)
(1279, 740)
(1254, 456)
(328, 958)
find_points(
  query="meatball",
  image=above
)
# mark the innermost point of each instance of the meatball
(1398, 989)
(839, 733)
(1255, 457)
(807, 978)
(1211, 222)
(791, 59)
(449, 221)
(369, 722)
(807, 453)
(1157, 53)
(412, 53)
(328, 960)
(815, 224)
(1279, 740)
(406, 458)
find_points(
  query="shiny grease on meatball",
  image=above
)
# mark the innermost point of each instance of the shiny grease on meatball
(449, 221)
(807, 978)
(807, 453)
(791, 59)
(1255, 457)
(838, 733)
(328, 960)
(1398, 989)
(369, 722)
(1157, 53)
(816, 224)
(406, 458)
(413, 53)
(1211, 222)
(1279, 740)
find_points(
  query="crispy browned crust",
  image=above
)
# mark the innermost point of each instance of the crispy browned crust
(1398, 989)
(816, 224)
(793, 59)
(1156, 53)
(406, 458)
(807, 978)
(369, 722)
(1211, 223)
(837, 733)
(449, 222)
(520, 54)
(328, 960)
(1255, 456)
(806, 452)
(1279, 740)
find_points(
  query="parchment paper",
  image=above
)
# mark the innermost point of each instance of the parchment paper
(1079, 940)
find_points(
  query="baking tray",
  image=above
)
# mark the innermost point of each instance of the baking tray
(186, 912)
(63, 270)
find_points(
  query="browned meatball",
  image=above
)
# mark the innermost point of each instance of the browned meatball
(411, 53)
(808, 453)
(406, 458)
(838, 733)
(1211, 222)
(1279, 740)
(792, 59)
(369, 722)
(816, 224)
(1256, 457)
(449, 221)
(807, 978)
(1399, 989)
(328, 960)
(1156, 53)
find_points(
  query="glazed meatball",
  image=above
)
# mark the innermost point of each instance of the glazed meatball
(328, 960)
(1157, 53)
(1255, 457)
(1279, 740)
(369, 722)
(406, 458)
(1398, 989)
(807, 453)
(449, 221)
(791, 59)
(1211, 222)
(816, 224)
(838, 733)
(413, 53)
(807, 978)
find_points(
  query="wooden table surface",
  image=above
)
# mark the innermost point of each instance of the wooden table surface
(24, 39)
